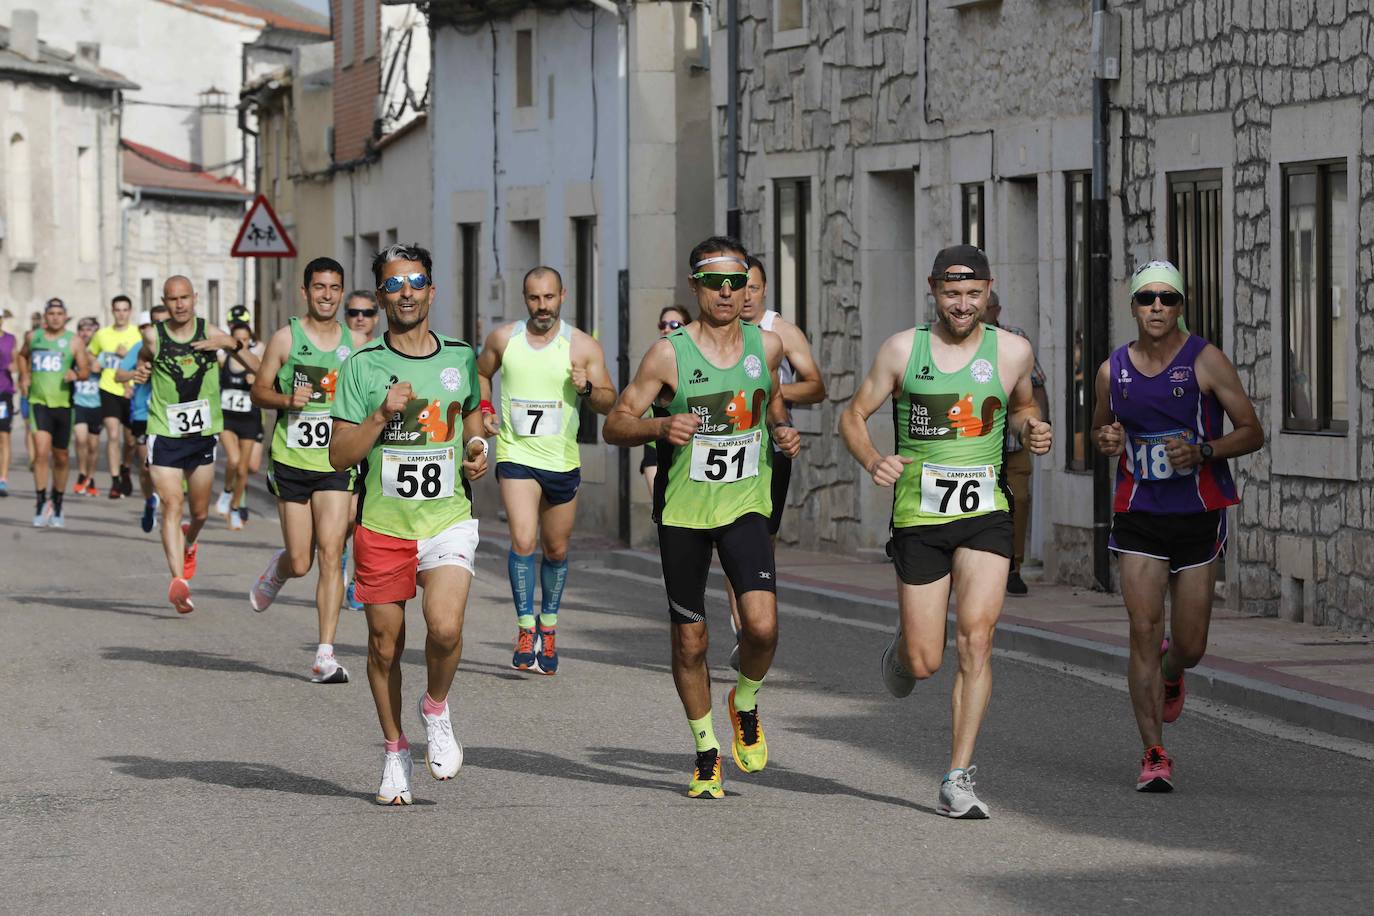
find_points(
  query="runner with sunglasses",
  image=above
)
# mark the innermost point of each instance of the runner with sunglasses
(548, 369)
(298, 379)
(669, 320)
(955, 387)
(51, 361)
(360, 310)
(1160, 401)
(405, 404)
(715, 383)
(243, 432)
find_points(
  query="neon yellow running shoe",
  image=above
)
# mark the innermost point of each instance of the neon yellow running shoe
(706, 775)
(750, 747)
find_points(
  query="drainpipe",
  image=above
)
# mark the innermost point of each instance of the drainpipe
(1099, 304)
(732, 120)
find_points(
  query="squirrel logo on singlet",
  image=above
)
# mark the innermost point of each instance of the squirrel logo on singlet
(739, 412)
(438, 430)
(969, 426)
(328, 383)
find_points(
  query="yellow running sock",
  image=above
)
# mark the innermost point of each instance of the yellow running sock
(703, 733)
(746, 693)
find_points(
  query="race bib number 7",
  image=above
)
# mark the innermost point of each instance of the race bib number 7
(308, 430)
(189, 418)
(726, 459)
(429, 474)
(948, 490)
(1150, 457)
(536, 418)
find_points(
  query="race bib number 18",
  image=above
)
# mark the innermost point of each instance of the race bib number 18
(189, 418)
(947, 490)
(536, 418)
(308, 430)
(410, 474)
(726, 459)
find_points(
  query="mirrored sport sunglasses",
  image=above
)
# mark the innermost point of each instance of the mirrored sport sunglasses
(1168, 298)
(669, 325)
(362, 313)
(713, 280)
(394, 284)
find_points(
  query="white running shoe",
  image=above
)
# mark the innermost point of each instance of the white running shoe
(395, 787)
(444, 753)
(957, 798)
(235, 521)
(57, 521)
(264, 592)
(40, 518)
(222, 507)
(327, 670)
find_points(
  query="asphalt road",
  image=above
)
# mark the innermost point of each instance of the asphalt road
(154, 763)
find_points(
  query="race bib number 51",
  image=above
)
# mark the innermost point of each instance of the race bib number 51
(308, 430)
(947, 490)
(536, 418)
(189, 418)
(726, 459)
(429, 474)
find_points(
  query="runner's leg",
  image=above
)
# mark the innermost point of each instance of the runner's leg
(980, 586)
(445, 602)
(82, 434)
(201, 482)
(298, 537)
(386, 642)
(114, 446)
(522, 497)
(243, 470)
(1191, 592)
(329, 513)
(555, 530)
(233, 452)
(924, 613)
(1143, 582)
(167, 483)
(41, 456)
(60, 465)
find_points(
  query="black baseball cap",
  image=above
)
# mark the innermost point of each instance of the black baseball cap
(239, 314)
(968, 256)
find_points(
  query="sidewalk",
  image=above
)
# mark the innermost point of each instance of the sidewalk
(1312, 677)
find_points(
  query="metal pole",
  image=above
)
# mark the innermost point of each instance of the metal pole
(1096, 319)
(732, 120)
(623, 276)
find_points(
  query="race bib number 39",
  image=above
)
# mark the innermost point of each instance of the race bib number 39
(726, 459)
(536, 418)
(308, 430)
(235, 400)
(1151, 459)
(189, 418)
(408, 474)
(947, 490)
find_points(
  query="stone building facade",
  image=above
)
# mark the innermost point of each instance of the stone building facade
(1241, 135)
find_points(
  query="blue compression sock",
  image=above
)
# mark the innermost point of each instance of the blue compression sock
(552, 577)
(521, 572)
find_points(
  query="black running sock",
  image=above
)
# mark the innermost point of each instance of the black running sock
(42, 498)
(56, 501)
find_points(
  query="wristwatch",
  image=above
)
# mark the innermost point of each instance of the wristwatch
(587, 391)
(1205, 449)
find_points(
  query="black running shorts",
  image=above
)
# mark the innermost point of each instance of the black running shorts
(746, 555)
(115, 406)
(925, 553)
(1182, 540)
(183, 454)
(294, 485)
(55, 421)
(247, 426)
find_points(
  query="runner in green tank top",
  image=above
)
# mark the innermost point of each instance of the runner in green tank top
(299, 376)
(553, 379)
(50, 362)
(719, 409)
(401, 404)
(955, 387)
(183, 418)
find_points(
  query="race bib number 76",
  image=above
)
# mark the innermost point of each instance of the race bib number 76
(947, 490)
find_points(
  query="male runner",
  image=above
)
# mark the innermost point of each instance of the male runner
(360, 310)
(9, 344)
(129, 374)
(108, 347)
(298, 378)
(1159, 407)
(86, 416)
(717, 378)
(50, 361)
(547, 368)
(955, 387)
(399, 404)
(183, 419)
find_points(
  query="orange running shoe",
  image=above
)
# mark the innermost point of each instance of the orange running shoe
(523, 659)
(188, 559)
(180, 595)
(91, 488)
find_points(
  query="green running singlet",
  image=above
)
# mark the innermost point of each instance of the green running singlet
(951, 424)
(49, 361)
(727, 470)
(539, 416)
(301, 437)
(185, 397)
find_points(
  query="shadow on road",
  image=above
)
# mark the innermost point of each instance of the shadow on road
(414, 656)
(92, 604)
(192, 658)
(236, 774)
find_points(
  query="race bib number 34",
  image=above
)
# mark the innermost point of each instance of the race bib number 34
(536, 418)
(947, 490)
(308, 430)
(189, 418)
(1151, 459)
(408, 474)
(726, 459)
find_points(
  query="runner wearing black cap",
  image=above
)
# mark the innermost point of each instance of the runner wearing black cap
(956, 386)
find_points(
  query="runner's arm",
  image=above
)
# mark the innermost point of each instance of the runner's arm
(589, 364)
(21, 364)
(488, 363)
(875, 391)
(809, 387)
(1107, 433)
(1218, 376)
(82, 358)
(780, 426)
(625, 425)
(262, 392)
(474, 453)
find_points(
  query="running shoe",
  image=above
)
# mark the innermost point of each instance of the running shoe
(126, 483)
(264, 591)
(222, 505)
(235, 522)
(750, 747)
(149, 512)
(395, 787)
(546, 658)
(1173, 690)
(706, 775)
(443, 751)
(523, 659)
(55, 520)
(351, 597)
(957, 798)
(179, 593)
(1015, 584)
(91, 489)
(80, 484)
(327, 670)
(899, 681)
(40, 518)
(1156, 771)
(188, 559)
(243, 514)
(4, 489)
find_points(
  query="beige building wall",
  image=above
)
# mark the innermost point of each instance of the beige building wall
(165, 237)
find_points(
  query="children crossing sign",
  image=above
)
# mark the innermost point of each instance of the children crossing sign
(262, 234)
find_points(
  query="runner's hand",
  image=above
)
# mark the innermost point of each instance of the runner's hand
(215, 342)
(475, 459)
(1111, 440)
(142, 372)
(788, 440)
(679, 428)
(885, 471)
(1037, 436)
(1182, 455)
(397, 397)
(300, 396)
(491, 424)
(70, 376)
(579, 378)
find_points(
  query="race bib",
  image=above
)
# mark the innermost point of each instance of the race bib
(87, 387)
(428, 474)
(726, 459)
(308, 429)
(536, 418)
(947, 490)
(1151, 461)
(47, 361)
(189, 418)
(4, 409)
(109, 360)
(235, 400)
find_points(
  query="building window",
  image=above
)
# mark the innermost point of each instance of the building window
(88, 203)
(145, 286)
(585, 277)
(469, 236)
(524, 68)
(789, 15)
(346, 33)
(972, 195)
(1195, 248)
(791, 206)
(1316, 319)
(1076, 274)
(212, 300)
(369, 29)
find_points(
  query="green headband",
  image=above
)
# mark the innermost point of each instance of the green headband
(1157, 272)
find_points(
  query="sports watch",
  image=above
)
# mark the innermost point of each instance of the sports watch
(1206, 451)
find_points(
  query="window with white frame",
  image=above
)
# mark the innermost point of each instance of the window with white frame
(1195, 248)
(971, 202)
(524, 68)
(791, 212)
(585, 277)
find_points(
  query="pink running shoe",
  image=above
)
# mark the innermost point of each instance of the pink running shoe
(188, 559)
(1173, 690)
(179, 593)
(264, 591)
(1156, 771)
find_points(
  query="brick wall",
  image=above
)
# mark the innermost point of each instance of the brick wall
(356, 83)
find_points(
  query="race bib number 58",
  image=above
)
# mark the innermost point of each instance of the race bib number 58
(408, 474)
(947, 490)
(726, 459)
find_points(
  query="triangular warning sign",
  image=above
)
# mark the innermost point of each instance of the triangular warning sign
(262, 234)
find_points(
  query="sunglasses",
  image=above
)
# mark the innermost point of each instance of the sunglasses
(365, 313)
(669, 325)
(394, 284)
(1166, 299)
(712, 280)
